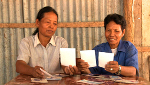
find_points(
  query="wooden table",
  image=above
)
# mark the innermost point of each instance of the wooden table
(71, 80)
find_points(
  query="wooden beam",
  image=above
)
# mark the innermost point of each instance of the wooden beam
(143, 49)
(81, 24)
(137, 9)
(129, 16)
(64, 24)
(17, 25)
(138, 23)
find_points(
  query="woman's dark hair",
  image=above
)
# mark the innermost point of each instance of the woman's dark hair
(118, 19)
(40, 15)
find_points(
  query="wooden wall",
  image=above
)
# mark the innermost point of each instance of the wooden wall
(76, 24)
(145, 37)
(136, 12)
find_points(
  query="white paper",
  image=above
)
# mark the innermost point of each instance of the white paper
(104, 58)
(38, 80)
(88, 56)
(68, 56)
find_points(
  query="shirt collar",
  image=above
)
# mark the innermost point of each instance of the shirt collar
(52, 41)
(107, 48)
(119, 48)
(37, 41)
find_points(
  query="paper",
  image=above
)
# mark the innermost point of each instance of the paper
(54, 78)
(46, 72)
(104, 58)
(89, 56)
(61, 75)
(115, 77)
(127, 81)
(37, 80)
(89, 82)
(68, 56)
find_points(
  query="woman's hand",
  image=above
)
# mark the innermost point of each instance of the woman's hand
(71, 70)
(36, 72)
(112, 67)
(23, 68)
(83, 66)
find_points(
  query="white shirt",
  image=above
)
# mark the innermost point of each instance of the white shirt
(114, 51)
(35, 54)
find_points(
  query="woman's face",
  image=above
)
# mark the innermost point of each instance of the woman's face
(113, 34)
(47, 25)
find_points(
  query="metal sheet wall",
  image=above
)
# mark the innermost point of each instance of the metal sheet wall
(24, 11)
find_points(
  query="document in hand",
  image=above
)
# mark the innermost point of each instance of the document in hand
(68, 56)
(89, 56)
(104, 58)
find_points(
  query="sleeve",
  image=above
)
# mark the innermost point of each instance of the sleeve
(95, 70)
(64, 43)
(132, 58)
(23, 51)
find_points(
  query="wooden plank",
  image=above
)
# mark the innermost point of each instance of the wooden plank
(145, 66)
(145, 36)
(140, 63)
(149, 66)
(64, 24)
(129, 16)
(138, 23)
(143, 49)
(138, 32)
(17, 25)
(145, 23)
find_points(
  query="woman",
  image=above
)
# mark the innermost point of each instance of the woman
(41, 50)
(126, 55)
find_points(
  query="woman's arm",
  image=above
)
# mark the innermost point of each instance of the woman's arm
(23, 68)
(113, 67)
(70, 70)
(128, 71)
(83, 66)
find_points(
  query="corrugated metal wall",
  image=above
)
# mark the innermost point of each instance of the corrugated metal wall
(24, 11)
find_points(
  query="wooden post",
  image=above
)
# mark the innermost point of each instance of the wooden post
(129, 16)
(138, 34)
